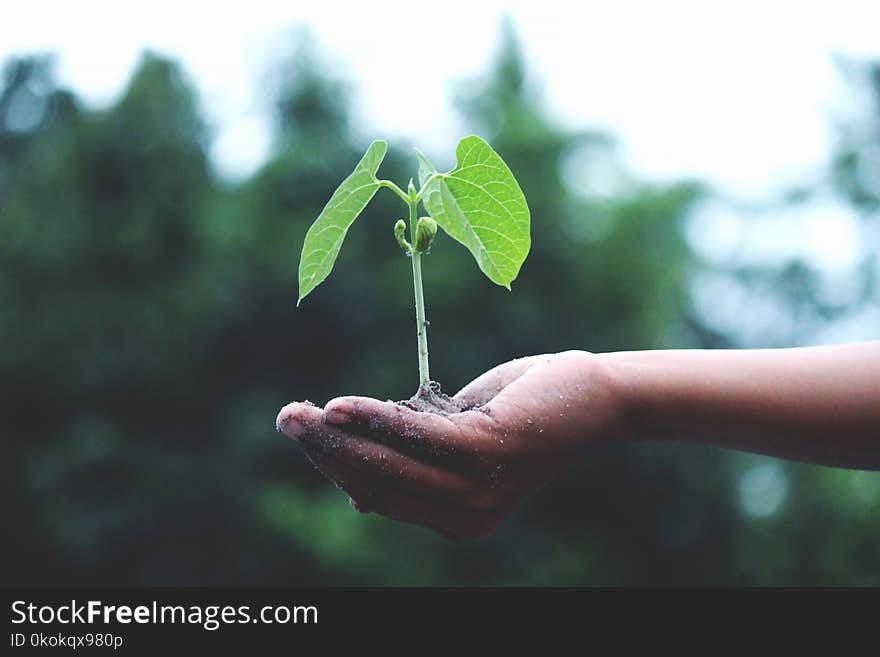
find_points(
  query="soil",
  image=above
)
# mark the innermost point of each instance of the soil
(433, 400)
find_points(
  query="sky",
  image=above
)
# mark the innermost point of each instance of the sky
(741, 94)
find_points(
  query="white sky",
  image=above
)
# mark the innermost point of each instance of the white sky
(740, 94)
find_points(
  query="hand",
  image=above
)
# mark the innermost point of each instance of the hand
(461, 474)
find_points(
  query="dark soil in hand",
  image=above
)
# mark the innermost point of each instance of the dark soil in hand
(433, 400)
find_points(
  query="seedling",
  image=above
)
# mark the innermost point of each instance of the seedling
(478, 203)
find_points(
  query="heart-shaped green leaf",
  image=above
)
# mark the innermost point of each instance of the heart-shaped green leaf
(324, 238)
(480, 204)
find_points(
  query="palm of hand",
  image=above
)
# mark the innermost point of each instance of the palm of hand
(459, 474)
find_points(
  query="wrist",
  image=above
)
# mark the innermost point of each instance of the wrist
(606, 386)
(627, 381)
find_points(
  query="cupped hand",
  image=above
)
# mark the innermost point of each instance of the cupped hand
(525, 422)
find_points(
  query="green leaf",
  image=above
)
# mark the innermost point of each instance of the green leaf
(325, 236)
(480, 204)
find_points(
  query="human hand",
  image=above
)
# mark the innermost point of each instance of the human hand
(525, 422)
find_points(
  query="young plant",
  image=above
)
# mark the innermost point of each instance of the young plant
(478, 203)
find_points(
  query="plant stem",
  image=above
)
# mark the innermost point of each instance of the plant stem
(431, 178)
(421, 324)
(394, 188)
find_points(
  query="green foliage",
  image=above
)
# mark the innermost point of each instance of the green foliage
(325, 236)
(480, 204)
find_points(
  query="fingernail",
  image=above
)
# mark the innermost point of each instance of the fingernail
(336, 416)
(290, 427)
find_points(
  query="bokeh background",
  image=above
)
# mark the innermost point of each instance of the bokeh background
(150, 234)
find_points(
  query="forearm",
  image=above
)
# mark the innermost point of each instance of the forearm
(816, 404)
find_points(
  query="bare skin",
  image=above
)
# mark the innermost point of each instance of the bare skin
(532, 418)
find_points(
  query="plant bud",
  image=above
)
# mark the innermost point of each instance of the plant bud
(399, 233)
(426, 229)
(411, 189)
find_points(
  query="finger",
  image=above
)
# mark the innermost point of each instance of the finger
(385, 467)
(448, 520)
(297, 417)
(454, 441)
(382, 465)
(304, 422)
(487, 385)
